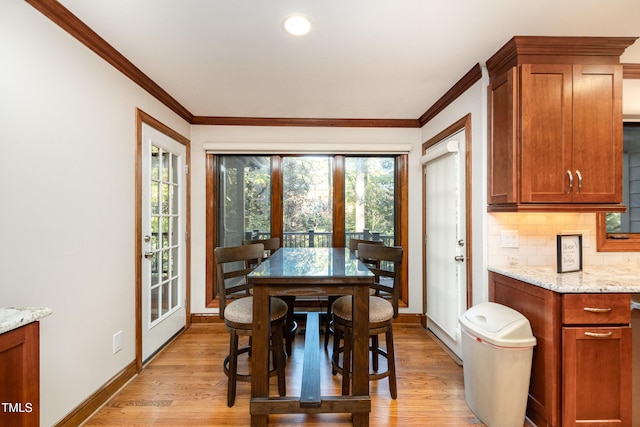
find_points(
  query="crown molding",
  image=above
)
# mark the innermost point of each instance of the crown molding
(550, 50)
(468, 80)
(304, 122)
(631, 71)
(66, 20)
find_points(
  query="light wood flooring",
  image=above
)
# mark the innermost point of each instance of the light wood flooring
(185, 386)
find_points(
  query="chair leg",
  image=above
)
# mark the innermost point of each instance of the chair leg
(391, 360)
(335, 352)
(289, 330)
(346, 362)
(375, 348)
(233, 368)
(279, 360)
(328, 323)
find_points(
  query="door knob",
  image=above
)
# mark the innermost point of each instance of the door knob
(148, 255)
(459, 258)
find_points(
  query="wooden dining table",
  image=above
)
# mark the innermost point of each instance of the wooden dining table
(310, 272)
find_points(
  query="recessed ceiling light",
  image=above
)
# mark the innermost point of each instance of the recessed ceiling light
(297, 25)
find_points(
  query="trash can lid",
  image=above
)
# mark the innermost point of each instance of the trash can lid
(498, 325)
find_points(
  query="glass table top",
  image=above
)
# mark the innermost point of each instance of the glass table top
(311, 262)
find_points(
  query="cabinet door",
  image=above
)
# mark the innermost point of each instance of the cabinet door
(546, 133)
(503, 164)
(20, 377)
(596, 374)
(597, 133)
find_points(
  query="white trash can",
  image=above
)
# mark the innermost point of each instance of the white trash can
(497, 348)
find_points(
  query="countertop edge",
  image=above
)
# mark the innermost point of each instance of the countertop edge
(621, 279)
(13, 318)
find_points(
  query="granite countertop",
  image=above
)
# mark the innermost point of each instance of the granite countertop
(12, 318)
(593, 279)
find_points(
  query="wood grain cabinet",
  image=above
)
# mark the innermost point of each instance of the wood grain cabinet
(556, 124)
(581, 368)
(20, 377)
(596, 360)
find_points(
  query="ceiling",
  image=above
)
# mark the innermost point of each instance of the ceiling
(383, 59)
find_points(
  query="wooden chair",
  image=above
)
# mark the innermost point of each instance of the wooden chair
(383, 308)
(270, 246)
(236, 308)
(353, 248)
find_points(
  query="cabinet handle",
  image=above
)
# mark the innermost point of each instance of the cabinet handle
(570, 181)
(579, 181)
(598, 334)
(597, 310)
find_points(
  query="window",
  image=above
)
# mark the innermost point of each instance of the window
(244, 205)
(369, 192)
(306, 201)
(620, 232)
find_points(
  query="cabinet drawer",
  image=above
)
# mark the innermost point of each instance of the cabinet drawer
(594, 309)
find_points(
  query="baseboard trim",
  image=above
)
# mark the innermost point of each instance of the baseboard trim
(206, 318)
(92, 403)
(408, 318)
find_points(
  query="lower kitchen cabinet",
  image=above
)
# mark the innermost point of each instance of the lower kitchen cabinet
(20, 377)
(581, 369)
(596, 376)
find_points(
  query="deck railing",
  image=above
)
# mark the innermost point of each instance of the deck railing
(319, 239)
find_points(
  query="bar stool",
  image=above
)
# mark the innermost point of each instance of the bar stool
(353, 248)
(236, 308)
(270, 246)
(383, 308)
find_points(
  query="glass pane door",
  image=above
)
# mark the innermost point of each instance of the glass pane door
(163, 226)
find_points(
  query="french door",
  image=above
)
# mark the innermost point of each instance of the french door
(163, 226)
(445, 256)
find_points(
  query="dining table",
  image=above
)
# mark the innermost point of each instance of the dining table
(310, 272)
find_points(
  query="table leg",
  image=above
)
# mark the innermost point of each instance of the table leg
(260, 351)
(360, 349)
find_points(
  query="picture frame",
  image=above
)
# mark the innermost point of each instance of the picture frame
(569, 252)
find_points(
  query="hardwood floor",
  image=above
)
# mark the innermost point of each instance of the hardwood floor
(185, 386)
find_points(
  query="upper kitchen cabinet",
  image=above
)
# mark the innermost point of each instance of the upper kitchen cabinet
(555, 140)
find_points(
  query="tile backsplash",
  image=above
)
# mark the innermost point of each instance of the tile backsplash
(530, 239)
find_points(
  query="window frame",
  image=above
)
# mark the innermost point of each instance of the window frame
(212, 165)
(605, 242)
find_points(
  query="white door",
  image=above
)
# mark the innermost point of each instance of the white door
(446, 271)
(163, 239)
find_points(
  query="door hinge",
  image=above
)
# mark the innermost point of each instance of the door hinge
(186, 236)
(186, 169)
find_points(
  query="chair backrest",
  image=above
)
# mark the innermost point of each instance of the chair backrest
(353, 243)
(232, 267)
(353, 247)
(270, 246)
(387, 271)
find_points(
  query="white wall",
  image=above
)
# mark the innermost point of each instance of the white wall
(304, 136)
(473, 102)
(67, 133)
